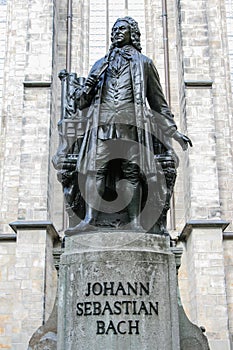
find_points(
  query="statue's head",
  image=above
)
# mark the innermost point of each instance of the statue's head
(133, 32)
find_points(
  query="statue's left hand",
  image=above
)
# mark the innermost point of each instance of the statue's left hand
(183, 140)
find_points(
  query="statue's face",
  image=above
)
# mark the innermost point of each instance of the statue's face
(121, 33)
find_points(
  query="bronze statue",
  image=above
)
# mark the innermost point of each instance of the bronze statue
(117, 150)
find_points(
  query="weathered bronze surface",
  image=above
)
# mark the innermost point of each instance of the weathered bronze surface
(115, 159)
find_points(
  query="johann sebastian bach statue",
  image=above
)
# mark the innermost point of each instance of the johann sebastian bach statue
(115, 159)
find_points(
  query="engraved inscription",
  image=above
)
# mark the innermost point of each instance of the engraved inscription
(118, 307)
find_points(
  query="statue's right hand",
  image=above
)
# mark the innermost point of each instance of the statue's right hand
(91, 81)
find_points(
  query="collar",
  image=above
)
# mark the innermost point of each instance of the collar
(126, 51)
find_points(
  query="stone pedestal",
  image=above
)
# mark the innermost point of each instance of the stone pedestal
(117, 290)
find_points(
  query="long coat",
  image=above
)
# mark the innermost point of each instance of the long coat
(151, 111)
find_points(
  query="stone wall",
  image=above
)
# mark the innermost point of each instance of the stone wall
(194, 54)
(27, 282)
(205, 266)
(208, 108)
(207, 113)
(25, 124)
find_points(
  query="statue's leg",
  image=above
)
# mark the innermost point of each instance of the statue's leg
(133, 189)
(94, 190)
(134, 207)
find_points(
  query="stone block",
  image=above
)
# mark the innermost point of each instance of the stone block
(220, 344)
(117, 290)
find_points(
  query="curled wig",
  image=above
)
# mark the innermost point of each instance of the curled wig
(134, 31)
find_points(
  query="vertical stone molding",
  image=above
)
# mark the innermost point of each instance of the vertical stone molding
(34, 278)
(8, 288)
(206, 279)
(228, 262)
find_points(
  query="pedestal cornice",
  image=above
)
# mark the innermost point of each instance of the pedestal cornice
(36, 225)
(190, 225)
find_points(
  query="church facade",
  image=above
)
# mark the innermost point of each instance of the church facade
(191, 44)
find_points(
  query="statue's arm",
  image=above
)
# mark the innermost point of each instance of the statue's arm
(85, 96)
(161, 112)
(157, 102)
